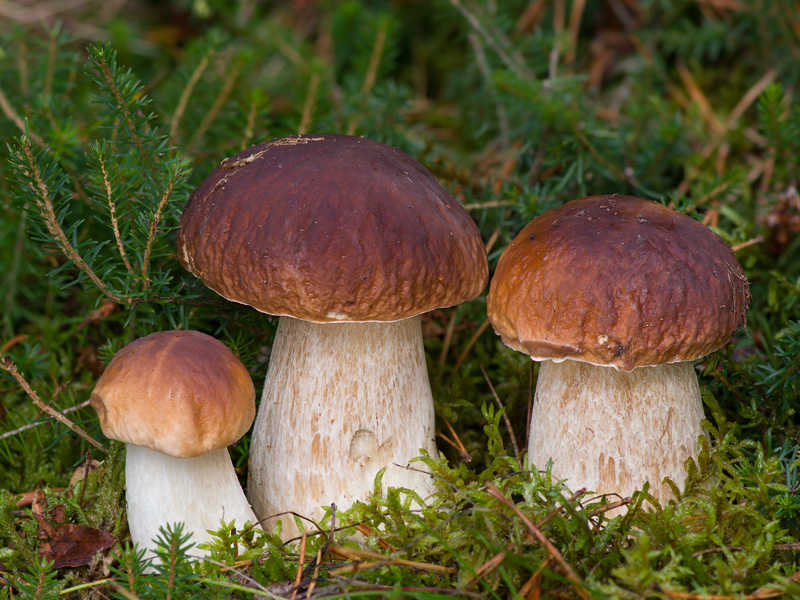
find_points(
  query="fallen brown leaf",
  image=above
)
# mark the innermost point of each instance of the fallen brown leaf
(74, 545)
(68, 545)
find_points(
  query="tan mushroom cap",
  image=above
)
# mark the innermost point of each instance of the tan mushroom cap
(329, 228)
(181, 393)
(617, 281)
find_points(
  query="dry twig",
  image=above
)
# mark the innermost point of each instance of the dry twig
(310, 102)
(517, 68)
(542, 539)
(314, 565)
(610, 506)
(183, 102)
(19, 430)
(531, 16)
(216, 108)
(488, 204)
(366, 531)
(380, 560)
(759, 594)
(532, 588)
(483, 67)
(744, 103)
(756, 240)
(300, 562)
(457, 444)
(12, 116)
(472, 341)
(448, 339)
(575, 17)
(8, 365)
(489, 566)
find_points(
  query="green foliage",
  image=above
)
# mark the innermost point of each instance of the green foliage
(723, 536)
(40, 581)
(688, 103)
(779, 122)
(129, 566)
(173, 566)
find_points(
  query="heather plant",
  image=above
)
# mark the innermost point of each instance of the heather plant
(111, 119)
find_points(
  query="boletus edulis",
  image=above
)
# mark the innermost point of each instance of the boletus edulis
(348, 241)
(617, 296)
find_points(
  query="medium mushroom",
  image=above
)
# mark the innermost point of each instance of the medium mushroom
(177, 399)
(347, 240)
(617, 295)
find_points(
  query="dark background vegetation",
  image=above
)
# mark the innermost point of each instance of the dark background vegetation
(111, 112)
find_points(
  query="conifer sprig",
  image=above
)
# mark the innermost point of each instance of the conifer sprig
(126, 102)
(41, 582)
(44, 181)
(131, 179)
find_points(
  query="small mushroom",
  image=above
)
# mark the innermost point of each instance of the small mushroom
(347, 240)
(617, 295)
(177, 399)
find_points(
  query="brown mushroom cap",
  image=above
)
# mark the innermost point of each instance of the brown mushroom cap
(181, 393)
(331, 228)
(617, 281)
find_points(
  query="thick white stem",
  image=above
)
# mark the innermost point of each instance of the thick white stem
(610, 431)
(196, 491)
(341, 401)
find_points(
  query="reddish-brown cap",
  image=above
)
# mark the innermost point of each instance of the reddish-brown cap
(617, 281)
(181, 393)
(331, 228)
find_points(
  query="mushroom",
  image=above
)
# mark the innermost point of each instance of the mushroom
(617, 295)
(177, 399)
(347, 240)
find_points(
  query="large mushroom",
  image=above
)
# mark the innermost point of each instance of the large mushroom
(177, 399)
(617, 296)
(347, 240)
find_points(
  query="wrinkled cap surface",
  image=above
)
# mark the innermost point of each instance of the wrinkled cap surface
(331, 228)
(617, 281)
(181, 393)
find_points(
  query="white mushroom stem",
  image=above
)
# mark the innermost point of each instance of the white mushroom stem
(341, 401)
(610, 431)
(198, 492)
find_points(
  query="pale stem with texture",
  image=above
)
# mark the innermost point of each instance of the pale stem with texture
(196, 491)
(340, 402)
(610, 431)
